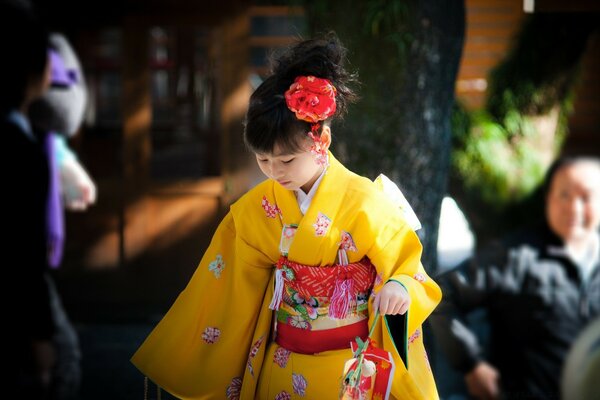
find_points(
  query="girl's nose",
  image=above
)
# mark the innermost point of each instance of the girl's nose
(276, 170)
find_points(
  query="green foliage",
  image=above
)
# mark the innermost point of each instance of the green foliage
(540, 70)
(497, 161)
(496, 156)
(388, 20)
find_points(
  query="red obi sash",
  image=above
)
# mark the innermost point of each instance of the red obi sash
(310, 342)
(321, 281)
(310, 293)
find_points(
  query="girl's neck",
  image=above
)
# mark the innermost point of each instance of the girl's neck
(308, 185)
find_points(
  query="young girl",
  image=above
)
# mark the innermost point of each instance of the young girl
(300, 264)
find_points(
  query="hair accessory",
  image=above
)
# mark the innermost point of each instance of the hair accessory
(312, 99)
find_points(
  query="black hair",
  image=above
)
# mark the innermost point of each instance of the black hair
(561, 163)
(25, 51)
(268, 120)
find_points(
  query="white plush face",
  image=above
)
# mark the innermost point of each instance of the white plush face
(61, 109)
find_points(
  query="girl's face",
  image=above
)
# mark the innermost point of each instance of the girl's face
(293, 171)
(573, 203)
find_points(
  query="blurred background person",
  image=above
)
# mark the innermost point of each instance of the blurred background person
(30, 326)
(540, 288)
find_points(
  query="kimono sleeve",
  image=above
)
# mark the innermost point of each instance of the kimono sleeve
(400, 260)
(211, 321)
(396, 256)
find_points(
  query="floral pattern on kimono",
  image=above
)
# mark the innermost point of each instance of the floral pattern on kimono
(233, 390)
(211, 335)
(217, 266)
(271, 210)
(299, 384)
(414, 336)
(281, 356)
(322, 224)
(252, 354)
(283, 395)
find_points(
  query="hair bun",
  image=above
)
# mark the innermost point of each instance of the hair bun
(323, 57)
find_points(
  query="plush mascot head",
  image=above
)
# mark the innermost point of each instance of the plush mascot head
(60, 111)
(62, 108)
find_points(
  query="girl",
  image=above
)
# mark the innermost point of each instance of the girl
(300, 265)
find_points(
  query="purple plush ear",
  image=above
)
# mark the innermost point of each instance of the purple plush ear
(60, 75)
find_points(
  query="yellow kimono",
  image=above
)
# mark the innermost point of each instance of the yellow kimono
(215, 341)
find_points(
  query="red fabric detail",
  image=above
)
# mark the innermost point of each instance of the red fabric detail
(342, 298)
(320, 281)
(384, 364)
(304, 341)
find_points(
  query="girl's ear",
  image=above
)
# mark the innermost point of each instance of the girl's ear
(326, 137)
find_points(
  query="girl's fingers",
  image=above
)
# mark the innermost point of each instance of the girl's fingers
(397, 308)
(384, 305)
(376, 302)
(404, 307)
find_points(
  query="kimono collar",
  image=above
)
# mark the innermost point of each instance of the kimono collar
(319, 227)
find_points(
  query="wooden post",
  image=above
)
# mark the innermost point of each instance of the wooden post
(137, 118)
(232, 52)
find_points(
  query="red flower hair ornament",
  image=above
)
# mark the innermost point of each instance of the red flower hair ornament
(312, 99)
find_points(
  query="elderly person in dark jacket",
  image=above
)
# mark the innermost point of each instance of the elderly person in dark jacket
(540, 288)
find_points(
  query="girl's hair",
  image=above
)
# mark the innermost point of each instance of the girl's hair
(268, 120)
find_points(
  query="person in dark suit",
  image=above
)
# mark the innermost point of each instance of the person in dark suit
(540, 287)
(25, 176)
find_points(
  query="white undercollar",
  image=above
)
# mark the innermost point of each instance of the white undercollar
(304, 199)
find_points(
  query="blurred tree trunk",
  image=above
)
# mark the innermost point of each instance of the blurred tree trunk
(407, 55)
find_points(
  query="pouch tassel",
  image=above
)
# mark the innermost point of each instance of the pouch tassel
(278, 293)
(341, 299)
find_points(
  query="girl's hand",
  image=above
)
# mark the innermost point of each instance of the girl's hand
(392, 299)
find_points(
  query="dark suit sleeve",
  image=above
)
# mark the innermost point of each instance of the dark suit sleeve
(25, 176)
(466, 288)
